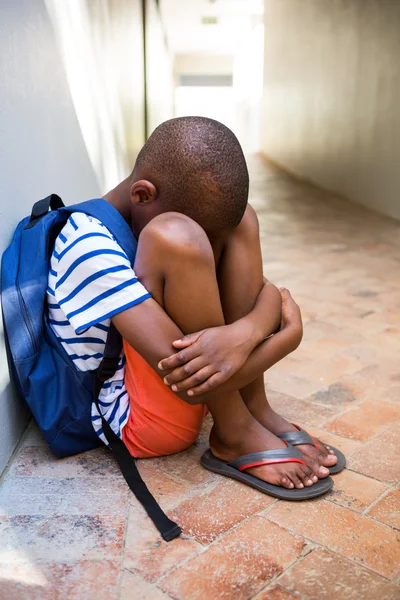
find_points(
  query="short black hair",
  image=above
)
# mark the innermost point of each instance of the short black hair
(199, 169)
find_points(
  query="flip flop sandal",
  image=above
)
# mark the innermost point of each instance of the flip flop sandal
(295, 438)
(235, 469)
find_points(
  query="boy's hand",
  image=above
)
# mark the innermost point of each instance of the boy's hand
(209, 357)
(291, 317)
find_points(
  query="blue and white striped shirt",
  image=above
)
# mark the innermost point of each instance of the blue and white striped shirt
(90, 280)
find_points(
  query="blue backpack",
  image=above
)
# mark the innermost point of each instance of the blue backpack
(59, 396)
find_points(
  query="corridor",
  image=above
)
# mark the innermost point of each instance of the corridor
(70, 528)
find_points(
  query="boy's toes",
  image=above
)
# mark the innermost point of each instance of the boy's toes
(302, 476)
(326, 460)
(318, 460)
(308, 478)
(297, 482)
(318, 469)
(285, 482)
(330, 459)
(321, 470)
(324, 447)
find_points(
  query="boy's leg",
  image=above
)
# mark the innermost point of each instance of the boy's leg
(175, 262)
(240, 281)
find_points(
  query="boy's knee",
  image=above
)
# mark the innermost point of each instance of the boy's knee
(249, 226)
(175, 234)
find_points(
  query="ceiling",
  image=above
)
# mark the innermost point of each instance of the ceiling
(186, 34)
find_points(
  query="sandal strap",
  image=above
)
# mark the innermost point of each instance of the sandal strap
(297, 437)
(267, 457)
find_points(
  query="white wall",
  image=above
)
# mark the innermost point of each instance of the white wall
(65, 67)
(159, 70)
(205, 101)
(332, 95)
(248, 88)
(204, 63)
(101, 44)
(41, 149)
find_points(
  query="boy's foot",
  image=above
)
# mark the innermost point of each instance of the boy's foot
(255, 438)
(318, 459)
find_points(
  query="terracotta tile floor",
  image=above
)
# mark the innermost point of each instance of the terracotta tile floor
(70, 529)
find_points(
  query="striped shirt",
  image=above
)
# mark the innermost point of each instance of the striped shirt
(90, 280)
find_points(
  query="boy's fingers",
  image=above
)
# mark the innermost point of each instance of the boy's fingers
(210, 384)
(187, 370)
(178, 359)
(187, 340)
(194, 380)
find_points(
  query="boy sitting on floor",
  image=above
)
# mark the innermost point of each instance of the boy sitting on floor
(198, 271)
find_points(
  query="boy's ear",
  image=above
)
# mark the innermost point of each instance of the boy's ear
(143, 192)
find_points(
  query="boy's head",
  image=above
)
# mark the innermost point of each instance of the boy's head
(195, 166)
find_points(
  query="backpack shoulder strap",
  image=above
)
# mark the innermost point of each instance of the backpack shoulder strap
(112, 219)
(168, 529)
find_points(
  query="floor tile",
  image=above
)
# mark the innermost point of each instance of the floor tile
(346, 445)
(238, 565)
(276, 592)
(359, 385)
(387, 509)
(389, 339)
(328, 371)
(39, 461)
(380, 458)
(366, 420)
(366, 353)
(186, 467)
(134, 587)
(221, 509)
(390, 392)
(292, 385)
(324, 346)
(375, 382)
(344, 531)
(63, 496)
(317, 329)
(41, 538)
(32, 436)
(146, 553)
(81, 580)
(355, 491)
(337, 395)
(325, 575)
(25, 581)
(202, 441)
(166, 490)
(296, 410)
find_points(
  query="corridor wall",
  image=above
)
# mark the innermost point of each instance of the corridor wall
(331, 95)
(159, 70)
(72, 119)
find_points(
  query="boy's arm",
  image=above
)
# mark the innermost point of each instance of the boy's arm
(260, 360)
(219, 348)
(226, 349)
(265, 318)
(150, 331)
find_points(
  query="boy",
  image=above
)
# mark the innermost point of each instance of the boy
(198, 270)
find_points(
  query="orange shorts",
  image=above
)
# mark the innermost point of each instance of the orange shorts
(159, 422)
